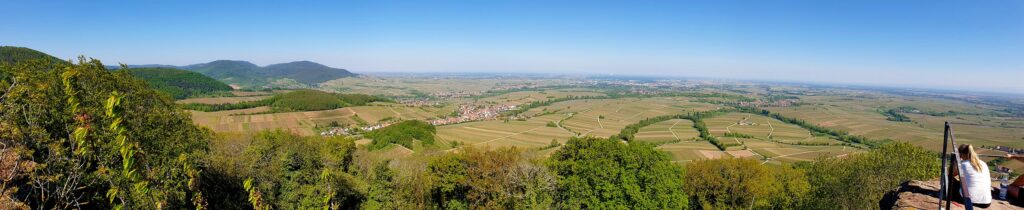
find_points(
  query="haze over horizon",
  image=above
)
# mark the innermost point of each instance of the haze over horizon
(966, 45)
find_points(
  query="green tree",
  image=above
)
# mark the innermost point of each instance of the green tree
(601, 174)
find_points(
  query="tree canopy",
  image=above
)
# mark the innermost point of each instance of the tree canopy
(608, 174)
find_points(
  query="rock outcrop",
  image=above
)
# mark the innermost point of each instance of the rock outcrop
(924, 195)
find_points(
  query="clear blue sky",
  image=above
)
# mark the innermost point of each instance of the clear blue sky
(974, 45)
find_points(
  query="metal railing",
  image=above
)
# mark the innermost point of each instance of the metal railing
(948, 140)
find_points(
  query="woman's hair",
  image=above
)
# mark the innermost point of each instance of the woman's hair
(967, 153)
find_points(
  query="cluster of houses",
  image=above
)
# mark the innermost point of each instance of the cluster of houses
(419, 102)
(454, 94)
(474, 113)
(1006, 149)
(334, 131)
(773, 103)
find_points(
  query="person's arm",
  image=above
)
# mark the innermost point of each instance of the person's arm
(1015, 157)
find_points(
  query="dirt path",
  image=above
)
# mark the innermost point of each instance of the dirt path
(769, 126)
(733, 138)
(673, 132)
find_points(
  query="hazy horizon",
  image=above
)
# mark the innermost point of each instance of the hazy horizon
(963, 45)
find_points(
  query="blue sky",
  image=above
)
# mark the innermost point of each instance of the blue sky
(970, 45)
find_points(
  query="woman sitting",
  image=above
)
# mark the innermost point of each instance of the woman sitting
(976, 177)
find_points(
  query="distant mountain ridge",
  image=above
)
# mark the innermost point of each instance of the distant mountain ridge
(246, 74)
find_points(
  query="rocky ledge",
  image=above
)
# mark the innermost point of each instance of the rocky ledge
(924, 195)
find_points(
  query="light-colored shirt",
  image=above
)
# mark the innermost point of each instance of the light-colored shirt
(979, 183)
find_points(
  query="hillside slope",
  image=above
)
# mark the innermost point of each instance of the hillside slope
(246, 74)
(11, 54)
(178, 83)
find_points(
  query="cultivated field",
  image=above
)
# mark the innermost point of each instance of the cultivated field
(860, 117)
(669, 130)
(532, 133)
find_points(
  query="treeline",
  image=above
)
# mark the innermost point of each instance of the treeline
(228, 106)
(298, 100)
(893, 115)
(838, 134)
(628, 133)
(402, 133)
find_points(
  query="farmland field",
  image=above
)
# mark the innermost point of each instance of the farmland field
(669, 130)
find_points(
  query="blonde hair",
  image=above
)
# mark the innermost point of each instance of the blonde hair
(967, 153)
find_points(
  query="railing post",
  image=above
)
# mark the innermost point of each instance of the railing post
(942, 176)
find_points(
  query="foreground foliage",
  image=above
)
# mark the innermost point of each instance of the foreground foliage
(79, 136)
(282, 171)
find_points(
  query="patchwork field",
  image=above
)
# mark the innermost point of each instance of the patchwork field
(669, 130)
(606, 117)
(776, 152)
(861, 117)
(532, 133)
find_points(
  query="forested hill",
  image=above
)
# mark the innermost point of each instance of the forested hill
(249, 75)
(178, 83)
(306, 72)
(11, 54)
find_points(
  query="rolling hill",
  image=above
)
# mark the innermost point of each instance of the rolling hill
(11, 54)
(248, 75)
(177, 83)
